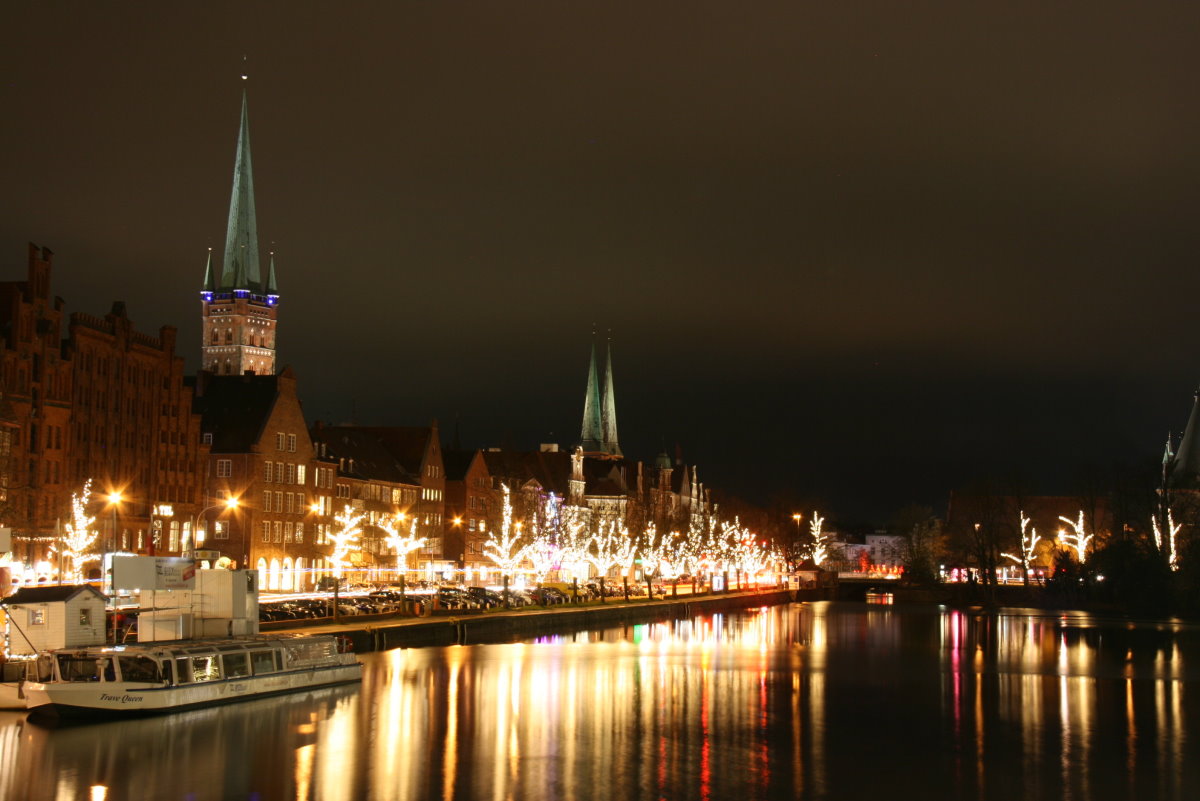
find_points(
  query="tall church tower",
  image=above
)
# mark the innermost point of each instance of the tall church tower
(238, 309)
(599, 434)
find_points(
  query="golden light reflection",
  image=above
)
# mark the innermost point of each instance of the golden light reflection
(304, 771)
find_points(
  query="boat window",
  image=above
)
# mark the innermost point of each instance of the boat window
(168, 671)
(139, 668)
(79, 667)
(183, 665)
(264, 662)
(205, 668)
(236, 665)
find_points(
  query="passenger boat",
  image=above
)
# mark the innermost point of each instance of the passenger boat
(153, 678)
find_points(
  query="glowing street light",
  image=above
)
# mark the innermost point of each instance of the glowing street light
(229, 503)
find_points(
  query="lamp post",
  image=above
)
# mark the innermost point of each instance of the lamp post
(110, 545)
(229, 503)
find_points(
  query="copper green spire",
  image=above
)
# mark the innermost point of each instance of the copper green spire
(240, 270)
(608, 408)
(592, 428)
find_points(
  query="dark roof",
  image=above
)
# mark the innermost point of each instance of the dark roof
(235, 408)
(1185, 469)
(364, 455)
(41, 595)
(406, 444)
(551, 469)
(457, 463)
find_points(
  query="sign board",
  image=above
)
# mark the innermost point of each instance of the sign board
(153, 573)
(206, 555)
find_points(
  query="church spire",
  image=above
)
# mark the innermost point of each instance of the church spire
(593, 432)
(241, 270)
(608, 407)
(239, 310)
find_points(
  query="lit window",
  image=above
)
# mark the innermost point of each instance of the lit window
(37, 617)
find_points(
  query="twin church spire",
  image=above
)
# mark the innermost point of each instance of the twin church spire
(600, 409)
(238, 308)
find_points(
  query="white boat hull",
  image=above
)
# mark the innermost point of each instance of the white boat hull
(119, 699)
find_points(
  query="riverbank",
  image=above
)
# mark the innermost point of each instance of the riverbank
(385, 632)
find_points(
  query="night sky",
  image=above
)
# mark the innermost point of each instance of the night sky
(859, 252)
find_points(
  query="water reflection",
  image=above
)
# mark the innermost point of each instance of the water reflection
(812, 701)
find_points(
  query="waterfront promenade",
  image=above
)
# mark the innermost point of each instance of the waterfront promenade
(381, 632)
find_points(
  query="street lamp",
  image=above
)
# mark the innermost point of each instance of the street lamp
(229, 503)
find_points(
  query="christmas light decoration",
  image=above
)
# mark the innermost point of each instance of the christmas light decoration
(1173, 530)
(1029, 542)
(404, 544)
(1078, 539)
(502, 546)
(79, 535)
(345, 538)
(817, 549)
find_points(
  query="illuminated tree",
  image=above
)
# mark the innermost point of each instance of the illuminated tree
(611, 547)
(503, 546)
(345, 539)
(404, 544)
(79, 536)
(1173, 530)
(817, 549)
(1029, 541)
(1078, 539)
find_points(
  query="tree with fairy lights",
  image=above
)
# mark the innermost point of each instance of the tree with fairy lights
(79, 535)
(345, 538)
(1078, 539)
(1166, 544)
(818, 547)
(1029, 541)
(504, 547)
(404, 544)
(610, 547)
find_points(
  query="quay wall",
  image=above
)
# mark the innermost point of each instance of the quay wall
(381, 634)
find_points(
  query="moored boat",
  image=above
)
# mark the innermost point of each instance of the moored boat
(154, 678)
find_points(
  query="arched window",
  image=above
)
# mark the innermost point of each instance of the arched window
(262, 572)
(287, 584)
(301, 582)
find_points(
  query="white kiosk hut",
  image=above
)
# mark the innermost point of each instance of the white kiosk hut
(43, 618)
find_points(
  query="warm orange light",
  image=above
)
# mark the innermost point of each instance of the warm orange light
(797, 517)
(458, 521)
(231, 502)
(316, 507)
(115, 497)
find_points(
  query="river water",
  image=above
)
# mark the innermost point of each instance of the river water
(798, 701)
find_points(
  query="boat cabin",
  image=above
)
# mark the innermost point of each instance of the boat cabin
(193, 662)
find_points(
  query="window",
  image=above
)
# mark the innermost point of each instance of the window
(221, 530)
(291, 474)
(266, 501)
(206, 438)
(299, 474)
(266, 531)
(289, 503)
(291, 443)
(279, 502)
(279, 441)
(287, 532)
(299, 532)
(278, 531)
(37, 617)
(85, 617)
(224, 468)
(268, 471)
(279, 472)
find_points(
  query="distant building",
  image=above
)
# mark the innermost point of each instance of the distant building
(599, 432)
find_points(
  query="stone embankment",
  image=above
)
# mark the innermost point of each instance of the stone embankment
(379, 633)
